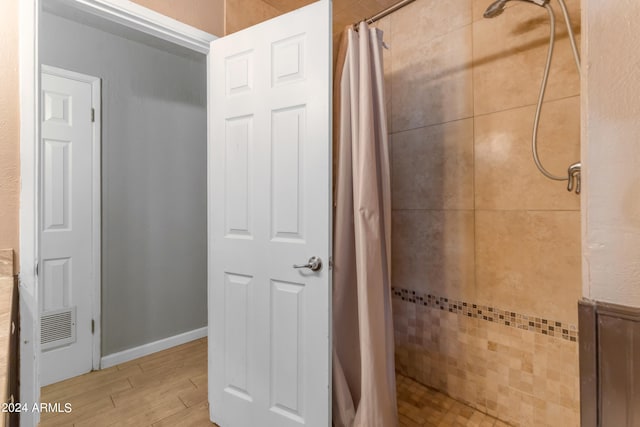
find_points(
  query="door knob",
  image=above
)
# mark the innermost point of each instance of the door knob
(314, 264)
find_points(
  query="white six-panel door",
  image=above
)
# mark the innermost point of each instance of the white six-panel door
(269, 208)
(68, 267)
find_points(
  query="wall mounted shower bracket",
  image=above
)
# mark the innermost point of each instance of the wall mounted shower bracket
(574, 177)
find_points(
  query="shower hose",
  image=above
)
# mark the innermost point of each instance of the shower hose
(545, 78)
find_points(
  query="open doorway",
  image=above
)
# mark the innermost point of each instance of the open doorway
(147, 271)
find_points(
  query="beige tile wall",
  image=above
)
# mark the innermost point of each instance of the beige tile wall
(524, 378)
(473, 219)
(462, 95)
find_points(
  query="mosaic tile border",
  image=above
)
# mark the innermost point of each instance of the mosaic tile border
(509, 318)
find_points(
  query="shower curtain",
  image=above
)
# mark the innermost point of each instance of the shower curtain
(364, 383)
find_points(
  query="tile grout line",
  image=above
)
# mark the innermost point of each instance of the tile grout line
(547, 101)
(182, 401)
(473, 112)
(473, 116)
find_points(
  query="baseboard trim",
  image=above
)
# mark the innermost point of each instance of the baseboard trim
(152, 347)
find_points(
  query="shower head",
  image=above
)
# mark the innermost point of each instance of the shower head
(497, 7)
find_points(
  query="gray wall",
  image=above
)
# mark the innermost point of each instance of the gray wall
(154, 200)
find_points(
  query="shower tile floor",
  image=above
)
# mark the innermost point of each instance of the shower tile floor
(422, 406)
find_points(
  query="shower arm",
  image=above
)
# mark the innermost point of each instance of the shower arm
(543, 86)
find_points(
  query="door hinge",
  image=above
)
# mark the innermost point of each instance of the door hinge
(37, 268)
(330, 263)
(93, 115)
(93, 326)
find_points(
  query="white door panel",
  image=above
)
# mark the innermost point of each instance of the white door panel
(270, 204)
(66, 236)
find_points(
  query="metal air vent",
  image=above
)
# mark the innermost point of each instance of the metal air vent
(57, 328)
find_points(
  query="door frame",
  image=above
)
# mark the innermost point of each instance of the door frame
(96, 198)
(121, 12)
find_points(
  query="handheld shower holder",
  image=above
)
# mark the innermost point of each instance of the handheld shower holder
(574, 177)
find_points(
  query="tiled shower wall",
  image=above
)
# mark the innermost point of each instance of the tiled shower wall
(474, 222)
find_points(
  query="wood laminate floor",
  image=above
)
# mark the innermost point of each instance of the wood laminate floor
(169, 388)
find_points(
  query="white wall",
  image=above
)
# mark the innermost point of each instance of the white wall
(154, 197)
(611, 151)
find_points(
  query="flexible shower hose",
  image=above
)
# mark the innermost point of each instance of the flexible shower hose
(545, 78)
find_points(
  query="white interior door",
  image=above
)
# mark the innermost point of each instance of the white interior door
(269, 208)
(68, 268)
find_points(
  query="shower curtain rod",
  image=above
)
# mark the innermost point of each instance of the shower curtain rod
(385, 12)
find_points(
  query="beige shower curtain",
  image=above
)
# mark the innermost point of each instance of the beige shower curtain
(364, 384)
